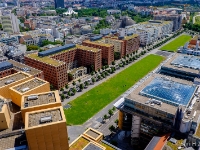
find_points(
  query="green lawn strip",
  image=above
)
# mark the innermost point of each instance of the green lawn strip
(91, 102)
(175, 44)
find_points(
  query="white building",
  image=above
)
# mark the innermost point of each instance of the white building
(70, 11)
(10, 23)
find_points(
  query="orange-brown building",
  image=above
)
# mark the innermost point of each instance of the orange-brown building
(46, 129)
(32, 86)
(10, 81)
(107, 50)
(55, 62)
(132, 43)
(4, 115)
(38, 101)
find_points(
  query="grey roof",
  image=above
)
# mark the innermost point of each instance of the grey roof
(154, 141)
(92, 147)
(56, 50)
(5, 65)
(95, 38)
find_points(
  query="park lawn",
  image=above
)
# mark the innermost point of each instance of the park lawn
(175, 44)
(91, 102)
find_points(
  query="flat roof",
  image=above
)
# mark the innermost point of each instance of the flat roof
(87, 48)
(46, 60)
(5, 65)
(92, 133)
(12, 78)
(76, 69)
(137, 97)
(29, 85)
(99, 42)
(169, 91)
(76, 145)
(184, 63)
(45, 116)
(39, 99)
(131, 36)
(92, 146)
(25, 68)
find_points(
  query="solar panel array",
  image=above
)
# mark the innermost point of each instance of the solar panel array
(5, 65)
(55, 50)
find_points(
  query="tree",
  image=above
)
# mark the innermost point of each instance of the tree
(116, 55)
(74, 83)
(112, 128)
(69, 93)
(93, 80)
(116, 122)
(105, 117)
(113, 108)
(66, 86)
(32, 47)
(70, 76)
(62, 89)
(86, 83)
(110, 112)
(74, 90)
(81, 87)
(79, 80)
(62, 96)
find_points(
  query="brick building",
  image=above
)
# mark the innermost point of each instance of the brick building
(132, 43)
(107, 50)
(57, 61)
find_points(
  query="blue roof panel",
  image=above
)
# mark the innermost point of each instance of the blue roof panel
(5, 65)
(55, 50)
(95, 38)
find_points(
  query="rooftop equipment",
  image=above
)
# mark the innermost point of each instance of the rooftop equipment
(45, 119)
(9, 81)
(32, 97)
(25, 89)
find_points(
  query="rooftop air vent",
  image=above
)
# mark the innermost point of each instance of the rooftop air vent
(25, 105)
(9, 81)
(45, 119)
(32, 97)
(25, 89)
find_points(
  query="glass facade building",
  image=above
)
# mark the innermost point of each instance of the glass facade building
(59, 3)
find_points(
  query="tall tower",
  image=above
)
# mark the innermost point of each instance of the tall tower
(59, 3)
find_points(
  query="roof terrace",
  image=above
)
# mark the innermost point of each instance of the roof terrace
(40, 99)
(44, 117)
(29, 85)
(12, 78)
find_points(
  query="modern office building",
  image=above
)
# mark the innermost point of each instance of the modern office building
(182, 66)
(34, 85)
(163, 102)
(57, 61)
(59, 3)
(4, 114)
(46, 129)
(175, 18)
(10, 23)
(10, 81)
(107, 50)
(124, 44)
(38, 101)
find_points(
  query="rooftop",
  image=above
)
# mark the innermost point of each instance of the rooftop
(184, 63)
(76, 69)
(46, 60)
(79, 144)
(12, 78)
(98, 42)
(5, 65)
(130, 37)
(39, 99)
(92, 146)
(25, 68)
(46, 116)
(87, 48)
(151, 89)
(29, 85)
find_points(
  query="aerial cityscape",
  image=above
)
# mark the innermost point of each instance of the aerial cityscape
(99, 75)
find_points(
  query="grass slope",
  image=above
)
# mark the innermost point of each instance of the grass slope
(85, 106)
(175, 44)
